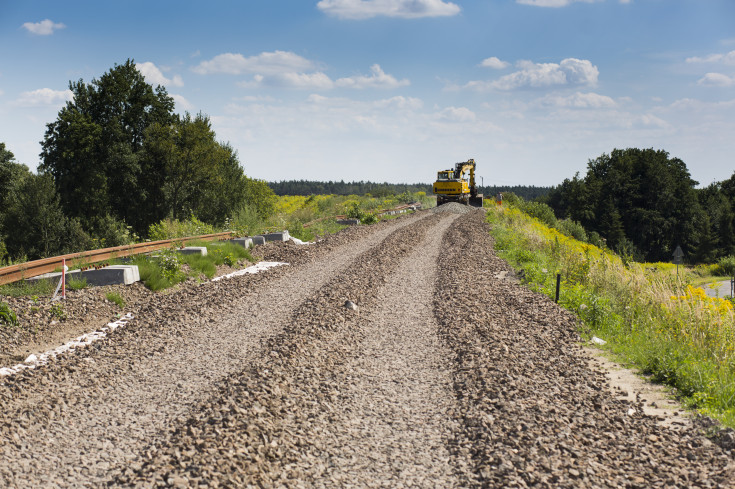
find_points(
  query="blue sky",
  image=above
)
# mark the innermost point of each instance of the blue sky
(394, 90)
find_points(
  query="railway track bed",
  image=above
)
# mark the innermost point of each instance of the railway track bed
(428, 379)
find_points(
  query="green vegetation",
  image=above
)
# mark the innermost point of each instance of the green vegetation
(355, 212)
(645, 204)
(57, 311)
(7, 316)
(115, 298)
(33, 288)
(76, 283)
(165, 269)
(649, 317)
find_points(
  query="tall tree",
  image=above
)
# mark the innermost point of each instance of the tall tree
(92, 149)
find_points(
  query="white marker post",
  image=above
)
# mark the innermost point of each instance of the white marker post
(62, 282)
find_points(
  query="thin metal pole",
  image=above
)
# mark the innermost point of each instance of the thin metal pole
(558, 285)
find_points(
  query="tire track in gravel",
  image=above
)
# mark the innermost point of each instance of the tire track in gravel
(392, 423)
(532, 410)
(75, 422)
(271, 424)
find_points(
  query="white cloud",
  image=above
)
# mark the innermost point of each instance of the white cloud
(267, 63)
(318, 80)
(311, 81)
(653, 121)
(44, 28)
(407, 9)
(154, 76)
(401, 103)
(254, 98)
(694, 105)
(181, 102)
(44, 96)
(570, 71)
(494, 63)
(578, 100)
(716, 80)
(556, 3)
(456, 114)
(727, 58)
(379, 79)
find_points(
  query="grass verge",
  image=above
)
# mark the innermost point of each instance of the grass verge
(649, 317)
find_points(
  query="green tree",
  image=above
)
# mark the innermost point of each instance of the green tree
(92, 149)
(12, 174)
(194, 165)
(639, 199)
(225, 191)
(36, 223)
(259, 196)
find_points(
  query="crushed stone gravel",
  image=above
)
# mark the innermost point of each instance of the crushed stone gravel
(86, 416)
(441, 373)
(452, 208)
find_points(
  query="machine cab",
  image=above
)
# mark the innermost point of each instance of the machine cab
(445, 175)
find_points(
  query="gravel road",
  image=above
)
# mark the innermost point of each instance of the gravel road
(439, 374)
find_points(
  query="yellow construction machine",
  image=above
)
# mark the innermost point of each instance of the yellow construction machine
(453, 186)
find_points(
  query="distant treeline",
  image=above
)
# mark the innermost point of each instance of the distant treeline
(308, 187)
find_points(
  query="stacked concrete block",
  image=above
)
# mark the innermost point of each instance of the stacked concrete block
(244, 242)
(111, 275)
(194, 250)
(348, 222)
(280, 236)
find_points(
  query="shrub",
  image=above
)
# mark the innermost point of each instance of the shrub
(169, 262)
(7, 316)
(109, 231)
(572, 229)
(355, 212)
(173, 228)
(725, 266)
(115, 298)
(246, 220)
(540, 211)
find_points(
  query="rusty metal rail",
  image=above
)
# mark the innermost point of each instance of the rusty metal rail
(34, 268)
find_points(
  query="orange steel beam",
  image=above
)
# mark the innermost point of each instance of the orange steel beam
(34, 268)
